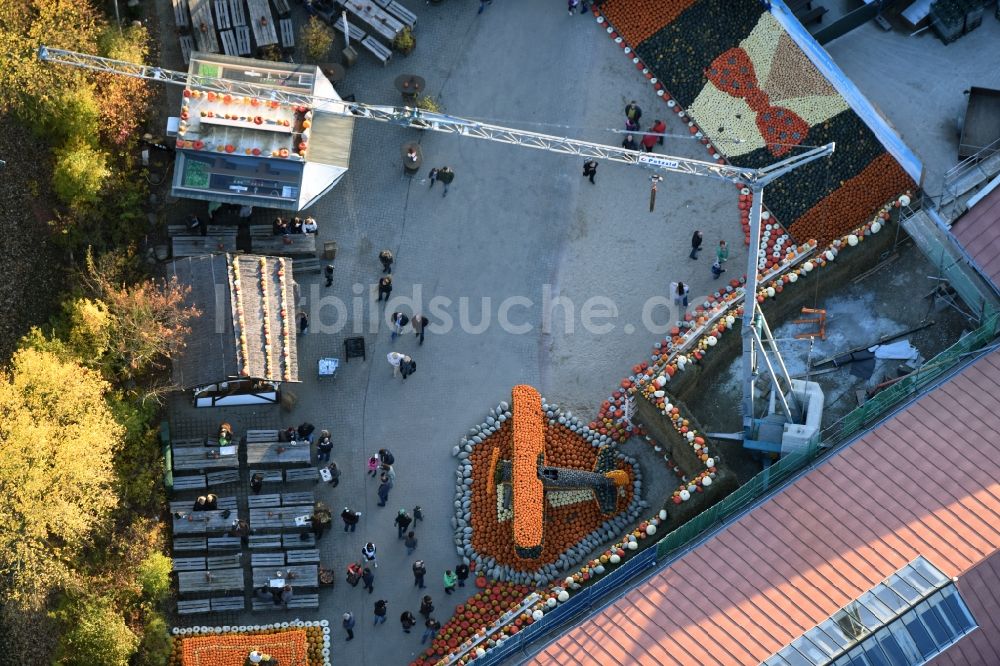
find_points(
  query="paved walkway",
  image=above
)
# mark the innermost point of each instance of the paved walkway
(516, 222)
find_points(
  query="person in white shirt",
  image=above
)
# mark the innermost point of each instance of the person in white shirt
(394, 360)
(309, 226)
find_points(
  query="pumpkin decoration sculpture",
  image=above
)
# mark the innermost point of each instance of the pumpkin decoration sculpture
(538, 489)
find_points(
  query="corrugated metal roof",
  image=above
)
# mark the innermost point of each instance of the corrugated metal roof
(926, 482)
(210, 353)
(979, 232)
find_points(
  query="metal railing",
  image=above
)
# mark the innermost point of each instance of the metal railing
(674, 545)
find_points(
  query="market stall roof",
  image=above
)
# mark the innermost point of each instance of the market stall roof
(256, 152)
(246, 328)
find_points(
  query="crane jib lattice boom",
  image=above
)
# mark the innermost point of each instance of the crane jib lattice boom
(438, 122)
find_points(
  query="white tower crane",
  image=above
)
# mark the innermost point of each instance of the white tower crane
(754, 328)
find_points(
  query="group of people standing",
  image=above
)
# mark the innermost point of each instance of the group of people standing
(297, 225)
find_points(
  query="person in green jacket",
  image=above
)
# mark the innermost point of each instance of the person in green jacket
(722, 253)
(450, 580)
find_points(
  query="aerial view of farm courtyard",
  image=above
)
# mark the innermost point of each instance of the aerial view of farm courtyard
(445, 332)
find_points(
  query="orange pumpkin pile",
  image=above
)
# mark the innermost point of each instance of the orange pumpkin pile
(838, 213)
(292, 646)
(480, 611)
(636, 21)
(529, 445)
(564, 526)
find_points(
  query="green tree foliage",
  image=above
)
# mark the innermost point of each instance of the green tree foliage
(316, 38)
(79, 174)
(125, 100)
(154, 577)
(95, 633)
(69, 116)
(57, 443)
(154, 650)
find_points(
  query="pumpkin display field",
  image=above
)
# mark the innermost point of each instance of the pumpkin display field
(537, 490)
(730, 67)
(305, 644)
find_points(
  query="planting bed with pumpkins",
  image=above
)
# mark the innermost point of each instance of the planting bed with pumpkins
(741, 83)
(295, 642)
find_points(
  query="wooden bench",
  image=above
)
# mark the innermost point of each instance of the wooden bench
(305, 556)
(254, 436)
(292, 499)
(264, 501)
(187, 46)
(377, 49)
(228, 604)
(222, 477)
(190, 443)
(270, 475)
(814, 15)
(239, 17)
(233, 561)
(224, 543)
(290, 245)
(353, 31)
(281, 6)
(189, 482)
(229, 46)
(213, 230)
(287, 30)
(267, 559)
(298, 540)
(265, 541)
(181, 15)
(261, 231)
(222, 15)
(184, 544)
(186, 506)
(405, 16)
(298, 601)
(194, 606)
(242, 40)
(306, 265)
(189, 564)
(193, 246)
(302, 474)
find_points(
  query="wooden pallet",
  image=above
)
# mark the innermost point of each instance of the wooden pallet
(239, 17)
(265, 541)
(242, 40)
(229, 46)
(189, 482)
(267, 559)
(232, 561)
(377, 49)
(305, 556)
(292, 499)
(228, 604)
(296, 540)
(181, 15)
(222, 15)
(281, 6)
(287, 31)
(194, 606)
(303, 474)
(264, 501)
(187, 46)
(189, 564)
(184, 544)
(224, 543)
(223, 477)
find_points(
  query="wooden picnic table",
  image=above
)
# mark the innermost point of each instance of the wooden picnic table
(266, 453)
(305, 575)
(380, 21)
(202, 522)
(196, 458)
(213, 580)
(203, 25)
(279, 518)
(285, 245)
(262, 23)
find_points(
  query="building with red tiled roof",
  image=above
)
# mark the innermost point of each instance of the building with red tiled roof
(851, 563)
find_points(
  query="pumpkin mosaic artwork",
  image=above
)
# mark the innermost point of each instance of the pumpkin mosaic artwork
(537, 486)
